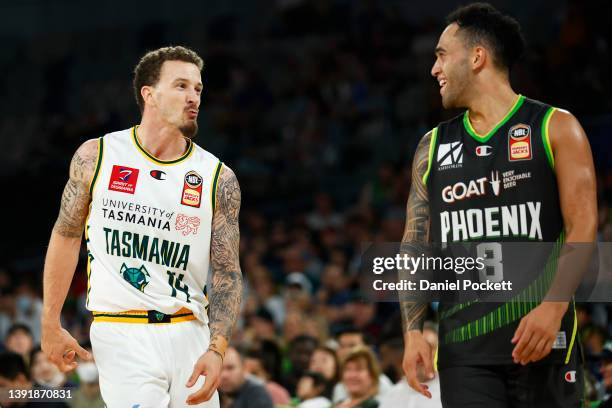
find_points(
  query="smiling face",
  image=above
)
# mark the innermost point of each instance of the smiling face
(452, 69)
(176, 96)
(357, 379)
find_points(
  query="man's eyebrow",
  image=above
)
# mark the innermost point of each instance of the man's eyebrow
(439, 49)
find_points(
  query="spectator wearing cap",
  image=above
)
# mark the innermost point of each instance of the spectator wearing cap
(238, 390)
(350, 338)
(19, 340)
(262, 323)
(360, 373)
(14, 375)
(311, 391)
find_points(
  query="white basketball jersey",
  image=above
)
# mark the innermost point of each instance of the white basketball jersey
(149, 227)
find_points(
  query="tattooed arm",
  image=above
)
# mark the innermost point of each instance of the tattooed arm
(226, 286)
(62, 257)
(416, 236)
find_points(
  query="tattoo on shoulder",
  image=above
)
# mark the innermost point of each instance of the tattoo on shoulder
(75, 198)
(226, 288)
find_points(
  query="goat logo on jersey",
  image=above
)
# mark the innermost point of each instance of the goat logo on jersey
(123, 179)
(519, 142)
(137, 277)
(192, 190)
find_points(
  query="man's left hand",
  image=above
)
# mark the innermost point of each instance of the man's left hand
(537, 332)
(209, 365)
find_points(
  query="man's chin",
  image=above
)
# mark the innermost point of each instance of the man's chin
(189, 130)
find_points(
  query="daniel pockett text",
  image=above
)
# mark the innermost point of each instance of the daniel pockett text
(405, 265)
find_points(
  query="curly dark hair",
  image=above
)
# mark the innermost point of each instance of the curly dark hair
(149, 67)
(482, 24)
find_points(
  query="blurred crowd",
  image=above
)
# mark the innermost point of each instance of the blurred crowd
(317, 106)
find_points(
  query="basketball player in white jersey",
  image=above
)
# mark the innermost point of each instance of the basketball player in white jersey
(157, 212)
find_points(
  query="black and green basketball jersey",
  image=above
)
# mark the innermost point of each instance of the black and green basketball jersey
(495, 188)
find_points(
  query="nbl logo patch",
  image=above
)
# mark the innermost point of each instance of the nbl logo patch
(519, 142)
(192, 190)
(123, 179)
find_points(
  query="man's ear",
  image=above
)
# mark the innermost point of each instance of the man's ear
(147, 93)
(479, 57)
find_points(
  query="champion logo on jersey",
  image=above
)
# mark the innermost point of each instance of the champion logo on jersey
(123, 179)
(519, 142)
(158, 174)
(192, 190)
(484, 150)
(570, 376)
(450, 155)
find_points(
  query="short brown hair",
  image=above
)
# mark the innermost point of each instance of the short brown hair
(364, 353)
(148, 69)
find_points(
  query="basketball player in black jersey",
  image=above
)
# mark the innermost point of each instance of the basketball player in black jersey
(508, 169)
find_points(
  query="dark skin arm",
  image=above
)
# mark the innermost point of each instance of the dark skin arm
(226, 287)
(416, 235)
(575, 172)
(62, 257)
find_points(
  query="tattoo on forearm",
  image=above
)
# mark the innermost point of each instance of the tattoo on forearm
(226, 285)
(416, 232)
(76, 197)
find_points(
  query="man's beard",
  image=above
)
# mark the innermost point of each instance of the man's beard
(190, 129)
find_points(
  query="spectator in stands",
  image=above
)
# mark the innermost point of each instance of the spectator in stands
(606, 371)
(28, 308)
(299, 352)
(348, 339)
(360, 373)
(44, 372)
(14, 375)
(325, 362)
(88, 394)
(19, 340)
(260, 362)
(401, 394)
(311, 391)
(237, 389)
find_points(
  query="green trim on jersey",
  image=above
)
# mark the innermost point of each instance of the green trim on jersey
(155, 159)
(516, 307)
(482, 139)
(574, 331)
(213, 194)
(546, 136)
(432, 147)
(92, 184)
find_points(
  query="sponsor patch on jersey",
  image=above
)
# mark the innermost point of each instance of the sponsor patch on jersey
(123, 179)
(473, 188)
(192, 190)
(158, 174)
(186, 224)
(519, 142)
(560, 341)
(570, 376)
(484, 150)
(450, 156)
